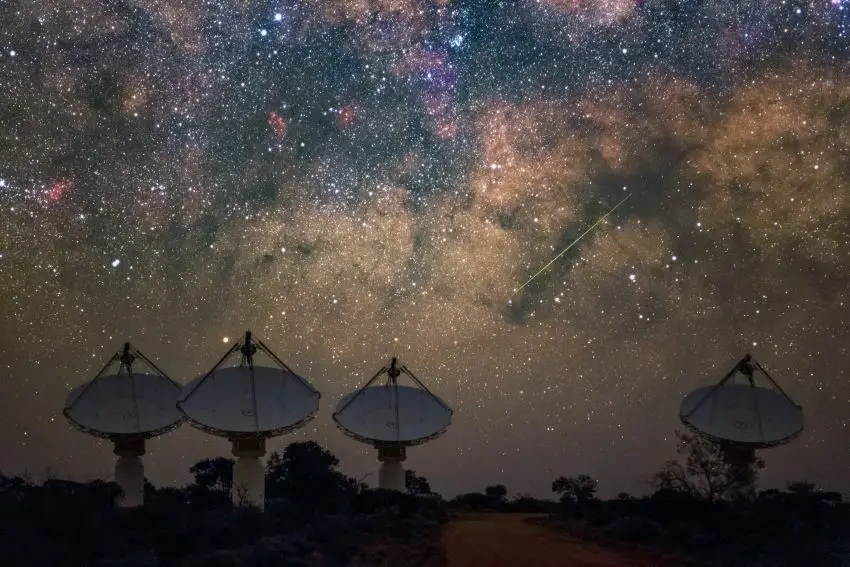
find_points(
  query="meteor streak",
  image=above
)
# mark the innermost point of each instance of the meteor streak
(573, 243)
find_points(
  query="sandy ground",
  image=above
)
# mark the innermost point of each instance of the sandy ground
(509, 540)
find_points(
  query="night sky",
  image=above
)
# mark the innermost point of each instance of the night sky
(357, 179)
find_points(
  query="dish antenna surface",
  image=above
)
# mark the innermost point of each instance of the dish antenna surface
(741, 416)
(247, 404)
(391, 418)
(127, 408)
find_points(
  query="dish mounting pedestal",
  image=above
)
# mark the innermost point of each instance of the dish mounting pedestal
(391, 471)
(130, 470)
(249, 474)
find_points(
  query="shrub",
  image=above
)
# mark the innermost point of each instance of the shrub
(636, 529)
(219, 558)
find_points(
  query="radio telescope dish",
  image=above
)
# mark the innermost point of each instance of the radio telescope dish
(247, 404)
(127, 408)
(391, 418)
(743, 417)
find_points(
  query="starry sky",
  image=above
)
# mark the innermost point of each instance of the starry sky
(357, 179)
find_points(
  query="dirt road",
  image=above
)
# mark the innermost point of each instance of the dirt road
(509, 540)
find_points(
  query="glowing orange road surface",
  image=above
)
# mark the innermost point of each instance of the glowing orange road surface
(509, 540)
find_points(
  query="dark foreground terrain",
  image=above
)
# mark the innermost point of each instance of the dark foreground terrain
(315, 515)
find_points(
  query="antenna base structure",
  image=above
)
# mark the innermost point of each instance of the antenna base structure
(391, 472)
(391, 476)
(247, 404)
(391, 418)
(742, 417)
(126, 408)
(249, 473)
(130, 470)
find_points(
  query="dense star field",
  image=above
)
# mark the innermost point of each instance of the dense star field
(354, 179)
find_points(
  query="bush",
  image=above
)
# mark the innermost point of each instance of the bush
(600, 516)
(473, 501)
(636, 529)
(372, 501)
(528, 505)
(703, 542)
(341, 550)
(219, 558)
(682, 532)
(302, 544)
(132, 559)
(279, 545)
(332, 527)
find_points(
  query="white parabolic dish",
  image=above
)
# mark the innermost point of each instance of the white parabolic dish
(124, 404)
(372, 415)
(740, 413)
(241, 400)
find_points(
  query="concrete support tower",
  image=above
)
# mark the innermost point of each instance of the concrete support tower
(391, 472)
(130, 470)
(249, 472)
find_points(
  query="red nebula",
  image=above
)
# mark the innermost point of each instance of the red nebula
(278, 124)
(345, 116)
(57, 190)
(445, 128)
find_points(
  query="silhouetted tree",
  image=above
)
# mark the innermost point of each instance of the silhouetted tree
(801, 488)
(577, 489)
(472, 500)
(167, 496)
(214, 475)
(705, 473)
(807, 491)
(770, 494)
(148, 490)
(306, 474)
(496, 492)
(416, 484)
(12, 483)
(526, 503)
